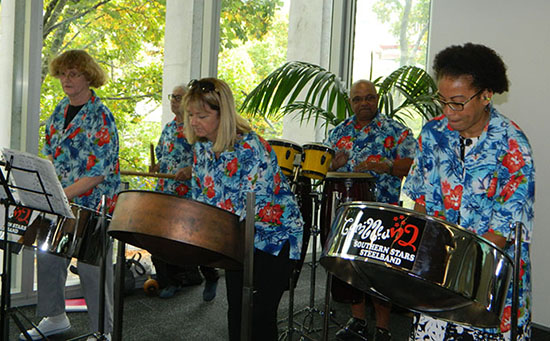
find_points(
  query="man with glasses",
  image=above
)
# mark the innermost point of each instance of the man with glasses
(474, 167)
(373, 143)
(175, 156)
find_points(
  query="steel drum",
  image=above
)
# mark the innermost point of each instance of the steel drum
(419, 262)
(177, 230)
(79, 238)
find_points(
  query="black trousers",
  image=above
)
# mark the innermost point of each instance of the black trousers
(270, 279)
(172, 274)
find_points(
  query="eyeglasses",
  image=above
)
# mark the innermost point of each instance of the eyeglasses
(202, 86)
(70, 75)
(177, 98)
(455, 106)
(368, 98)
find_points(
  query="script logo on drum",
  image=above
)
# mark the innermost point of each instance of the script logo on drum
(372, 229)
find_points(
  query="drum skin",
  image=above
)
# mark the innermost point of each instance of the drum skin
(177, 230)
(419, 262)
(79, 238)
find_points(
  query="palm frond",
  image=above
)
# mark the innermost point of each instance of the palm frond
(320, 89)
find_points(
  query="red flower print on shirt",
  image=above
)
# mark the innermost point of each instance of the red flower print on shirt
(421, 200)
(492, 187)
(453, 199)
(91, 162)
(170, 147)
(403, 136)
(505, 323)
(209, 184)
(57, 152)
(511, 187)
(232, 167)
(74, 133)
(374, 158)
(210, 192)
(344, 143)
(226, 205)
(182, 189)
(277, 181)
(103, 136)
(389, 142)
(271, 214)
(513, 160)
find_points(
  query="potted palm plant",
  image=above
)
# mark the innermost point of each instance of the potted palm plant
(405, 91)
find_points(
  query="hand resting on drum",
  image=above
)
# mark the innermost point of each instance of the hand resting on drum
(183, 173)
(375, 166)
(339, 160)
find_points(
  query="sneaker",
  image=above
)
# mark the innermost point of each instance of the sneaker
(49, 326)
(355, 329)
(382, 334)
(209, 290)
(169, 291)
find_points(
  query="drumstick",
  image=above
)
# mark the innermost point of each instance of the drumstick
(152, 152)
(146, 174)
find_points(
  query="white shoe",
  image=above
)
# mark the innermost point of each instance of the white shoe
(49, 326)
(94, 338)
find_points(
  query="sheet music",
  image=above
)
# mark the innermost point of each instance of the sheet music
(30, 181)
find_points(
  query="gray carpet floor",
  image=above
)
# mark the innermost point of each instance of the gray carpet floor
(187, 317)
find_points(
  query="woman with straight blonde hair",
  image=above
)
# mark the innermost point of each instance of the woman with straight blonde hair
(230, 160)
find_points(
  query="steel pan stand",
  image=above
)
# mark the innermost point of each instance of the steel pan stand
(515, 281)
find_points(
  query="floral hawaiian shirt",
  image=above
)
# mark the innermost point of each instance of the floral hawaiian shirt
(490, 190)
(173, 152)
(250, 166)
(87, 148)
(383, 139)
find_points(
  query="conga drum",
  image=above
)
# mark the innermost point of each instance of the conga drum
(286, 151)
(349, 187)
(419, 262)
(316, 159)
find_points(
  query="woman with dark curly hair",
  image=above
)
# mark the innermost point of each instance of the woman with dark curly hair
(475, 168)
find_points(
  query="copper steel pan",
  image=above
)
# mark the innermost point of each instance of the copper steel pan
(419, 262)
(178, 230)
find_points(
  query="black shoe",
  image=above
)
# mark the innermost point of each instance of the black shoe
(382, 334)
(355, 329)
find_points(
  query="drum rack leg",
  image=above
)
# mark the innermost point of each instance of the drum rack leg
(307, 326)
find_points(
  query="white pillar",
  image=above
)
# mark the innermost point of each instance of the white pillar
(7, 14)
(191, 42)
(319, 32)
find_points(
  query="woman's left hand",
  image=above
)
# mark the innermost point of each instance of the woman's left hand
(183, 173)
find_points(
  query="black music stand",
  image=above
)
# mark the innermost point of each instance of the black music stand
(37, 197)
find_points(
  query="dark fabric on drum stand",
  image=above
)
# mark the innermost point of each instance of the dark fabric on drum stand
(362, 189)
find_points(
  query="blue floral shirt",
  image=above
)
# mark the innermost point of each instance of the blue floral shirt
(87, 148)
(250, 166)
(491, 189)
(383, 139)
(173, 152)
